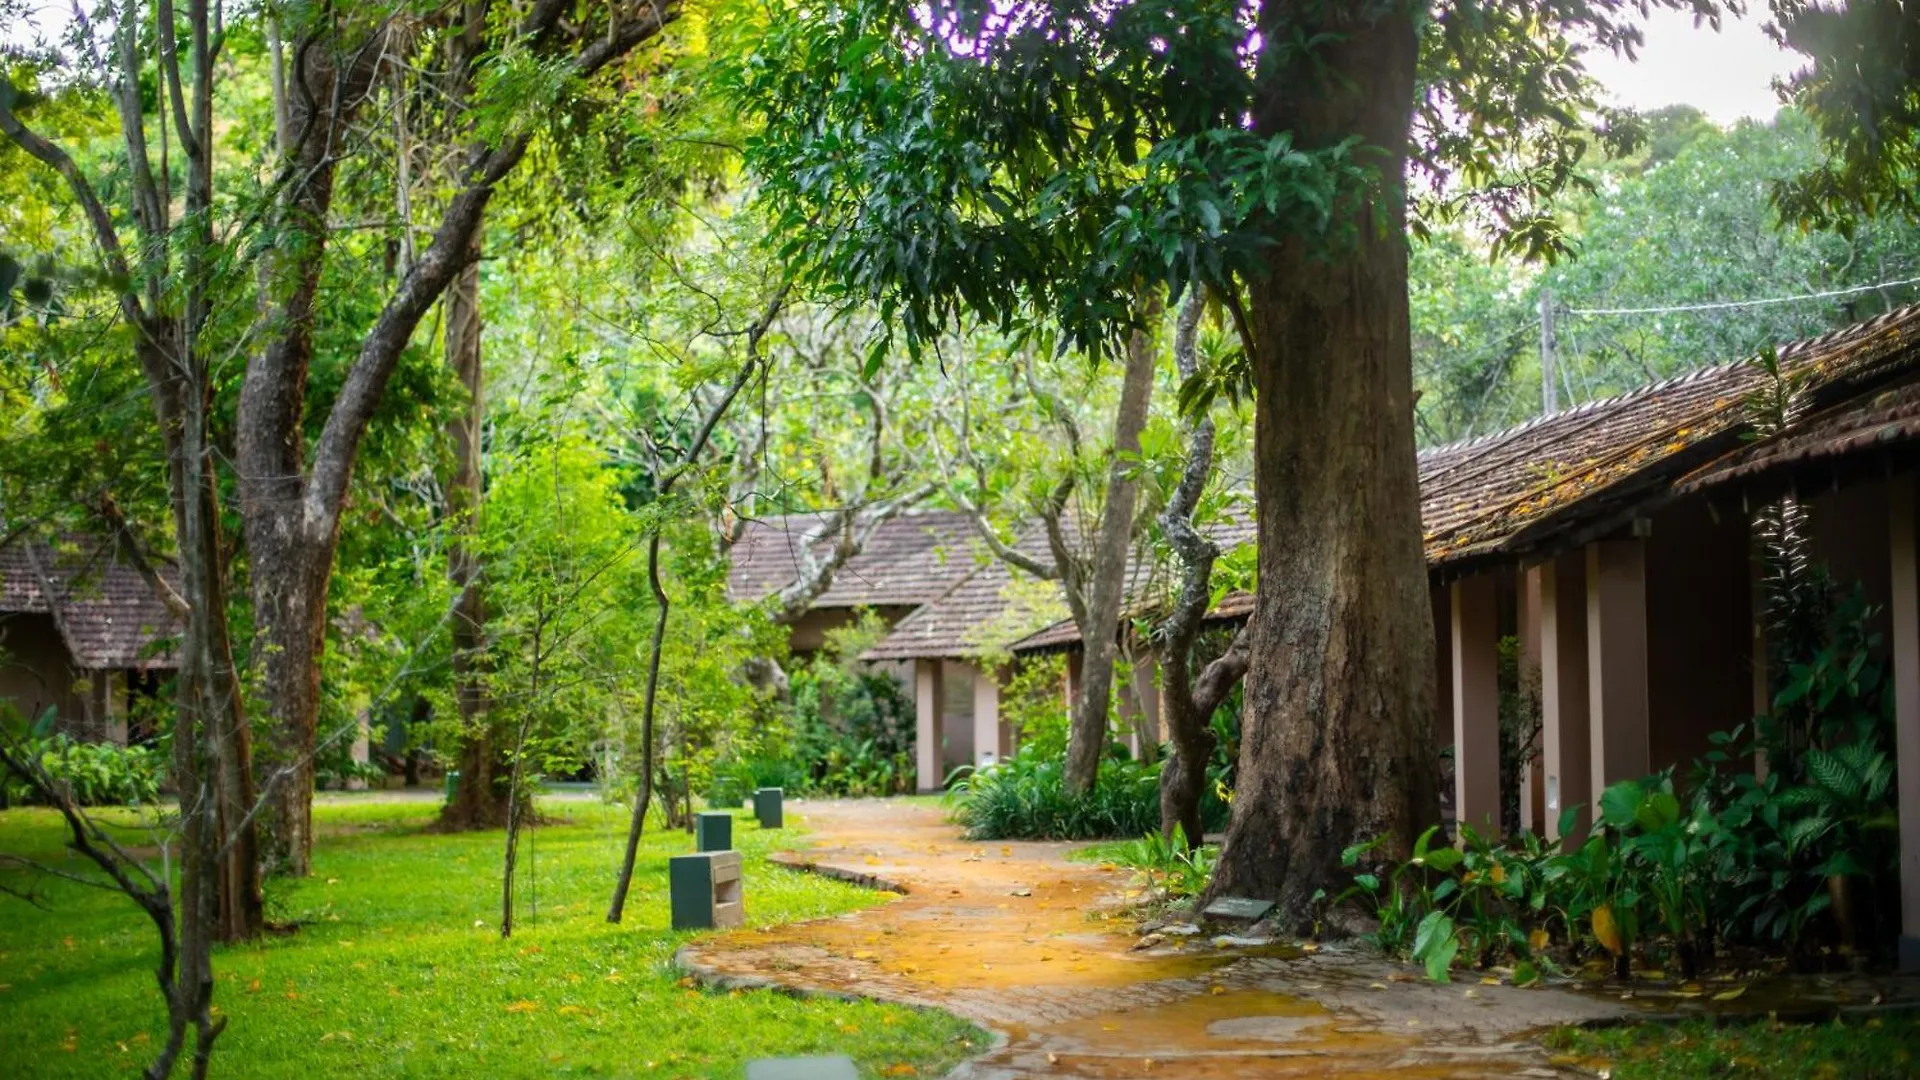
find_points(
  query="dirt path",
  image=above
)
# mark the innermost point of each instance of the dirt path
(1017, 939)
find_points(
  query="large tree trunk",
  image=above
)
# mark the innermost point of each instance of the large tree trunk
(1099, 629)
(1337, 743)
(289, 533)
(290, 578)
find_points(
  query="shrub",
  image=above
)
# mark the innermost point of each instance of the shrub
(1177, 869)
(97, 774)
(1025, 798)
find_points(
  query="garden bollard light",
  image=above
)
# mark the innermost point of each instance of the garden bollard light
(712, 832)
(453, 784)
(704, 890)
(766, 807)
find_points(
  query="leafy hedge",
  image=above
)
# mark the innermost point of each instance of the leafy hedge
(98, 774)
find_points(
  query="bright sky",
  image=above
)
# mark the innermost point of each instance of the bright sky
(1727, 75)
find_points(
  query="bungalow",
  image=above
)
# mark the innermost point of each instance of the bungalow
(1614, 542)
(956, 646)
(909, 560)
(81, 633)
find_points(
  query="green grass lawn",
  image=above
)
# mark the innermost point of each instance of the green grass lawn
(398, 968)
(1881, 1048)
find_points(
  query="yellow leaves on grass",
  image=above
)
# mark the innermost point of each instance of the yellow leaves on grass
(900, 1069)
(1605, 930)
(524, 1007)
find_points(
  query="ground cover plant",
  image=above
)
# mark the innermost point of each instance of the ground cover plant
(1874, 1048)
(397, 968)
(1169, 868)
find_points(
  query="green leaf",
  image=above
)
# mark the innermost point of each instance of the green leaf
(1620, 802)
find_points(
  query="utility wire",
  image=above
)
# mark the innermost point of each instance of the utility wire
(1724, 305)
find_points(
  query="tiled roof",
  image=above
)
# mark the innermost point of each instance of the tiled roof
(106, 612)
(1064, 634)
(1520, 489)
(909, 560)
(1885, 418)
(983, 606)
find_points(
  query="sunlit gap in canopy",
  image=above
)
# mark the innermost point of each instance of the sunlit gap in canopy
(977, 30)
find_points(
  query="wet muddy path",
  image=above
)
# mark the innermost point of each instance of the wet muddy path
(1020, 940)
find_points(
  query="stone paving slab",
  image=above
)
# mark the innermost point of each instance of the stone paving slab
(1032, 946)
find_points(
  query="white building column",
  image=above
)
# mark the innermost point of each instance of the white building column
(1476, 703)
(928, 685)
(1905, 616)
(1565, 741)
(988, 748)
(362, 750)
(1617, 661)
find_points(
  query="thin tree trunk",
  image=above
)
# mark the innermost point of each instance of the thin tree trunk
(617, 906)
(476, 803)
(1188, 703)
(1087, 733)
(1337, 738)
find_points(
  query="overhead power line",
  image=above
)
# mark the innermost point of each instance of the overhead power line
(1728, 304)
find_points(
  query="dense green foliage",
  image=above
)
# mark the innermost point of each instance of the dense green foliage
(1686, 220)
(388, 973)
(1791, 861)
(95, 774)
(1025, 798)
(1171, 869)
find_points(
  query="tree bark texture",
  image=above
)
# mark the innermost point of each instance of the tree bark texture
(1106, 591)
(1336, 745)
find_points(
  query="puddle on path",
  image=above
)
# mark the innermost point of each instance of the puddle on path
(1020, 939)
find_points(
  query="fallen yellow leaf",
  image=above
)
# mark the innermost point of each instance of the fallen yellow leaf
(524, 1007)
(1729, 995)
(1605, 930)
